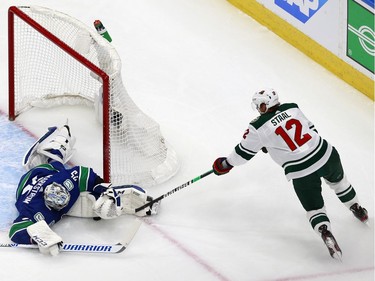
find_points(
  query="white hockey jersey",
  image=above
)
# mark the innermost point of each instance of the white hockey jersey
(289, 137)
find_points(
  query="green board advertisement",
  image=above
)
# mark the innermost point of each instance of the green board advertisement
(360, 34)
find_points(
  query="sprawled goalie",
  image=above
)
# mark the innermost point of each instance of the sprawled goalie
(49, 191)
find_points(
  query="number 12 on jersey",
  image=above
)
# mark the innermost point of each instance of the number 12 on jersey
(298, 138)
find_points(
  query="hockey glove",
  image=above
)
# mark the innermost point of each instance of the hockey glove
(108, 205)
(48, 241)
(221, 166)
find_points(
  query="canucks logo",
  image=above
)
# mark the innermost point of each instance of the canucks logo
(302, 10)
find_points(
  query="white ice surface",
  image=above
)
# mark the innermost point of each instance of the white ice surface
(192, 65)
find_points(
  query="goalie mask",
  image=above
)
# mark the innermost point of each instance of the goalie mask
(264, 99)
(56, 196)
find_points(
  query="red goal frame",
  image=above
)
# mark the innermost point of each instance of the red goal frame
(14, 11)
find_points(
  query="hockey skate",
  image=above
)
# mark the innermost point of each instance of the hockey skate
(330, 241)
(359, 212)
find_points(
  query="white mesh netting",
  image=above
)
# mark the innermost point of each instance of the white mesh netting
(45, 76)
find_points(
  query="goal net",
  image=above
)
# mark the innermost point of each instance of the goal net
(55, 60)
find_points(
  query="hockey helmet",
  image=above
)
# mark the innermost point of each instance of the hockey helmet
(56, 196)
(264, 99)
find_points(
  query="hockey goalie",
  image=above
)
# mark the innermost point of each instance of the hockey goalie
(49, 190)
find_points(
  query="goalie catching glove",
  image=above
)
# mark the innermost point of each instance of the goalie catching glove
(123, 199)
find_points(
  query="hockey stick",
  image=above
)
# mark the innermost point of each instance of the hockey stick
(83, 248)
(90, 248)
(174, 190)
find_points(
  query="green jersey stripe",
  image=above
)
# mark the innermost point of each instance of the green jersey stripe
(83, 178)
(308, 160)
(18, 226)
(243, 152)
(262, 119)
(22, 184)
(295, 162)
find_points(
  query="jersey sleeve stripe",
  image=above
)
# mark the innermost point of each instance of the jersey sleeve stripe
(244, 153)
(22, 184)
(83, 178)
(19, 226)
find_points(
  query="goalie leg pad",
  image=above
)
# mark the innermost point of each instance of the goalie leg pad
(32, 158)
(83, 207)
(48, 241)
(124, 199)
(60, 147)
(133, 197)
(56, 144)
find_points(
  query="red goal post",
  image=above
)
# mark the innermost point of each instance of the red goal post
(55, 60)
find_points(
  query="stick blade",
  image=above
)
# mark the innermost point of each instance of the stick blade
(132, 230)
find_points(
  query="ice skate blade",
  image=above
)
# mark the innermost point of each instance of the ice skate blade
(337, 256)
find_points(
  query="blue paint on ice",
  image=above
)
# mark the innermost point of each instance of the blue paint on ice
(14, 142)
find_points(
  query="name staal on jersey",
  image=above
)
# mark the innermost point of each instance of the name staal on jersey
(289, 137)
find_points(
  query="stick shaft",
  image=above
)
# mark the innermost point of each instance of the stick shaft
(174, 190)
(83, 248)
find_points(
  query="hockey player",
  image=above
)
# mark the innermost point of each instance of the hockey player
(292, 141)
(49, 190)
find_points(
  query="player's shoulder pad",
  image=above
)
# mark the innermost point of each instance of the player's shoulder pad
(260, 120)
(254, 120)
(286, 106)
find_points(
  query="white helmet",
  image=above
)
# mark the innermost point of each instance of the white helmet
(56, 196)
(266, 96)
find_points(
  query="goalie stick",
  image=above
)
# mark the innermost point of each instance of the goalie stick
(83, 248)
(90, 248)
(174, 190)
